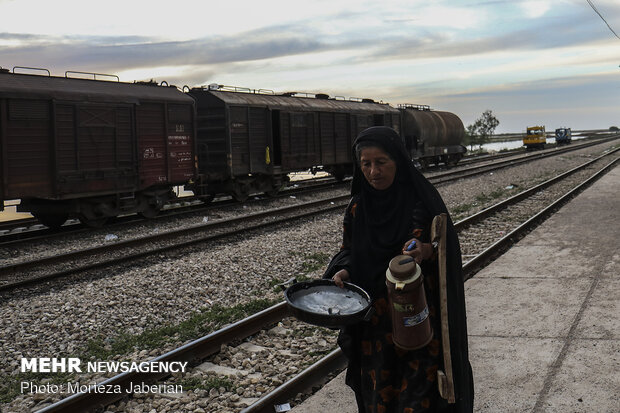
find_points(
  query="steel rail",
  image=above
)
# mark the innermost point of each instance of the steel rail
(190, 207)
(477, 170)
(191, 352)
(473, 159)
(166, 248)
(316, 373)
(471, 266)
(524, 194)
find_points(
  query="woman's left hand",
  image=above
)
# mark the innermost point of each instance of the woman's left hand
(420, 252)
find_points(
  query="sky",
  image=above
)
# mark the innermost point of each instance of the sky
(550, 62)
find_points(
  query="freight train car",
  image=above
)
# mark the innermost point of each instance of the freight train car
(563, 136)
(248, 141)
(432, 137)
(74, 147)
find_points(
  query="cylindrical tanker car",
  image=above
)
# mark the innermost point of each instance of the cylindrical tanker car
(249, 142)
(432, 137)
(92, 149)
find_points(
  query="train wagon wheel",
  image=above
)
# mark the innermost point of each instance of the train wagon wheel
(93, 222)
(207, 199)
(272, 193)
(150, 212)
(339, 175)
(240, 195)
(53, 221)
(275, 190)
(241, 191)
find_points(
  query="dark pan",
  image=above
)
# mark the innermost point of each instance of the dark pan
(323, 303)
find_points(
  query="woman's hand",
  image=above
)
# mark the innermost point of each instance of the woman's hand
(420, 251)
(340, 277)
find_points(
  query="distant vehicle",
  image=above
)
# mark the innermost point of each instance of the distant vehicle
(535, 137)
(563, 136)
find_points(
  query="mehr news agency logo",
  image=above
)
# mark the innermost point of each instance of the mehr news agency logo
(75, 365)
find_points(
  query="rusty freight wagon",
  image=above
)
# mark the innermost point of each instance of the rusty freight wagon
(91, 149)
(432, 137)
(248, 141)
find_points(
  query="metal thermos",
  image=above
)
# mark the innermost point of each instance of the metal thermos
(411, 326)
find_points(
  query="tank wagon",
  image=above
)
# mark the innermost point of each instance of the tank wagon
(248, 141)
(535, 137)
(92, 149)
(432, 137)
(563, 136)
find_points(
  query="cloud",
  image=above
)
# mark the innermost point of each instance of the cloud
(133, 52)
(535, 8)
(580, 102)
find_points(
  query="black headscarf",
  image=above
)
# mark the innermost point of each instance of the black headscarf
(386, 239)
(383, 217)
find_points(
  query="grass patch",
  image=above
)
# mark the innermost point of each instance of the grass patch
(212, 382)
(198, 325)
(486, 198)
(461, 209)
(313, 261)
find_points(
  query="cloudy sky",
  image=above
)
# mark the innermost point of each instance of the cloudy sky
(552, 62)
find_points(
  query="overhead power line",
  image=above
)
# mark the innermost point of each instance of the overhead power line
(601, 16)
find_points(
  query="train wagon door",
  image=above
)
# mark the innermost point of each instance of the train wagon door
(152, 139)
(326, 131)
(276, 133)
(27, 145)
(179, 143)
(260, 144)
(94, 148)
(239, 143)
(298, 144)
(342, 138)
(249, 138)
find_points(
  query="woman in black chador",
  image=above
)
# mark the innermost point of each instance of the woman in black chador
(393, 204)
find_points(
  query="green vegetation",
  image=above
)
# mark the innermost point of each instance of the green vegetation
(211, 382)
(198, 325)
(482, 200)
(486, 198)
(314, 262)
(481, 130)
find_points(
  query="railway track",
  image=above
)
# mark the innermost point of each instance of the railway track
(37, 270)
(12, 233)
(484, 244)
(459, 173)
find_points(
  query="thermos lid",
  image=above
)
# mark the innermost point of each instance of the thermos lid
(402, 267)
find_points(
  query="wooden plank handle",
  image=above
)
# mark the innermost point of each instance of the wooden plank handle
(445, 379)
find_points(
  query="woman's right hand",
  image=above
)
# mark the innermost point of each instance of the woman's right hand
(340, 277)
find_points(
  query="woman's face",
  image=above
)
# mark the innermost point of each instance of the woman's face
(378, 168)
